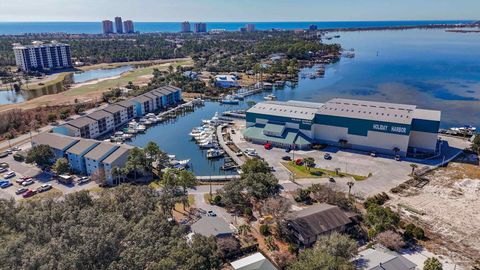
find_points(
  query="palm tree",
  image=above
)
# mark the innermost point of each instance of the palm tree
(414, 167)
(137, 161)
(244, 229)
(309, 162)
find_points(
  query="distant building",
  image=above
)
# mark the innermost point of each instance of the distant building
(218, 31)
(40, 56)
(128, 27)
(185, 27)
(200, 27)
(107, 27)
(250, 27)
(226, 81)
(119, 25)
(313, 27)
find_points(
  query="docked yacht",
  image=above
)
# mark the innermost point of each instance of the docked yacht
(215, 153)
(270, 97)
(229, 100)
(141, 128)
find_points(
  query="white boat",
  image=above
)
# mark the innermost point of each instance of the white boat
(229, 100)
(141, 128)
(270, 97)
(131, 130)
(150, 115)
(127, 136)
(179, 164)
(153, 119)
(207, 144)
(215, 153)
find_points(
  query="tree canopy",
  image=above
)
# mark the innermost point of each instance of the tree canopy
(41, 154)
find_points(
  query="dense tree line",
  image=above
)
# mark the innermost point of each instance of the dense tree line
(124, 228)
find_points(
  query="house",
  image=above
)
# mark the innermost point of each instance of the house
(253, 262)
(212, 226)
(84, 127)
(105, 121)
(226, 81)
(76, 153)
(381, 258)
(116, 159)
(94, 158)
(310, 223)
(59, 144)
(120, 114)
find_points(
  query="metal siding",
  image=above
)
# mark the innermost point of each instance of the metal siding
(359, 127)
(427, 126)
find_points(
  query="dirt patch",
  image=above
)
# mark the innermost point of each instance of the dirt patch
(448, 208)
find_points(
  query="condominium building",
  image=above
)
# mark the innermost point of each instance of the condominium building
(107, 27)
(40, 56)
(200, 27)
(105, 121)
(250, 27)
(119, 25)
(185, 27)
(128, 27)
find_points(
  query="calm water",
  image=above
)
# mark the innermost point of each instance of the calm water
(16, 28)
(9, 97)
(95, 74)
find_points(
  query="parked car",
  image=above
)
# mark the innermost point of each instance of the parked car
(211, 214)
(287, 158)
(233, 131)
(299, 162)
(9, 175)
(21, 179)
(44, 187)
(373, 154)
(5, 184)
(83, 180)
(331, 179)
(397, 158)
(267, 146)
(288, 150)
(4, 165)
(3, 154)
(27, 182)
(29, 193)
(2, 170)
(327, 156)
(21, 190)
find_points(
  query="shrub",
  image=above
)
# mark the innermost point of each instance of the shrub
(248, 212)
(217, 199)
(432, 264)
(265, 229)
(390, 240)
(378, 199)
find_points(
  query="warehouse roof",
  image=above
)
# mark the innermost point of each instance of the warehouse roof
(81, 122)
(369, 110)
(318, 219)
(56, 141)
(427, 115)
(114, 108)
(82, 146)
(100, 114)
(100, 150)
(117, 153)
(285, 109)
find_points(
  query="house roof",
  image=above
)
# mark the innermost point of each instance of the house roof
(123, 149)
(100, 114)
(114, 108)
(100, 150)
(126, 103)
(81, 122)
(211, 226)
(54, 140)
(253, 262)
(318, 219)
(80, 147)
(382, 259)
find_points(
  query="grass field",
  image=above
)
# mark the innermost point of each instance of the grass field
(134, 76)
(303, 172)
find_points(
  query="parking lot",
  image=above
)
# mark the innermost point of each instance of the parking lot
(385, 172)
(22, 169)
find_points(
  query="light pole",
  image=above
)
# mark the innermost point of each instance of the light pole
(350, 184)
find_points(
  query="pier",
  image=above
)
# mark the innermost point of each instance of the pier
(225, 147)
(217, 178)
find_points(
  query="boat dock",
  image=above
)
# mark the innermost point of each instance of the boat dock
(227, 149)
(233, 114)
(251, 90)
(217, 178)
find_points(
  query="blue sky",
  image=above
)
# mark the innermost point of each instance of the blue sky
(238, 10)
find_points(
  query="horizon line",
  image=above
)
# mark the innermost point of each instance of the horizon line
(289, 21)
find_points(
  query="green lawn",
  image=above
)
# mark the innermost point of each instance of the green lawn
(303, 172)
(123, 80)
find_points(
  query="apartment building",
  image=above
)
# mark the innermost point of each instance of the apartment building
(40, 56)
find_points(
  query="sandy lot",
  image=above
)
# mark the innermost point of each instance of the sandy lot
(449, 209)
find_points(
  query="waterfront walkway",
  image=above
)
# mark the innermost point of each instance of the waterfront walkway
(217, 178)
(225, 147)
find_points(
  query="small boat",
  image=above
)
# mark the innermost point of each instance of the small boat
(150, 115)
(208, 144)
(130, 130)
(229, 100)
(153, 119)
(270, 97)
(127, 136)
(118, 134)
(215, 153)
(180, 164)
(141, 128)
(228, 166)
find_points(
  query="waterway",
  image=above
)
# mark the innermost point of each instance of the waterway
(10, 97)
(432, 69)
